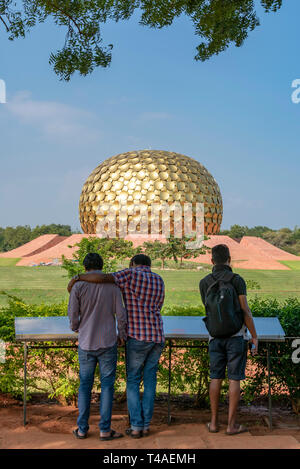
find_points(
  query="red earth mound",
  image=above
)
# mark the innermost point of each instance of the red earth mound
(249, 253)
(39, 244)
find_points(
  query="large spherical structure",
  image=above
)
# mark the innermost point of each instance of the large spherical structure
(147, 177)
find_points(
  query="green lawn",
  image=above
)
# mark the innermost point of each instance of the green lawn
(294, 265)
(5, 262)
(48, 284)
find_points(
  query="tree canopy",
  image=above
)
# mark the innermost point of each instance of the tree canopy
(111, 250)
(218, 23)
(284, 238)
(11, 238)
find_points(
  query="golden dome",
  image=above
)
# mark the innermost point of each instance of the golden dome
(148, 177)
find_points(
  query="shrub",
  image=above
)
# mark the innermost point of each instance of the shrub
(285, 374)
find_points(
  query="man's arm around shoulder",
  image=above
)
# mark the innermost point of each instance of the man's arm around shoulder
(92, 278)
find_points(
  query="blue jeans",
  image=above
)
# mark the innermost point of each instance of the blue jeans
(142, 361)
(88, 359)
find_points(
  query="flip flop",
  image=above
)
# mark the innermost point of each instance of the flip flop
(241, 429)
(211, 431)
(80, 437)
(111, 436)
(129, 431)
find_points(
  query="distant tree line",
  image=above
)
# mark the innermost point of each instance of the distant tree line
(11, 238)
(285, 238)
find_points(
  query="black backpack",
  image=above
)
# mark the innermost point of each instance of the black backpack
(224, 317)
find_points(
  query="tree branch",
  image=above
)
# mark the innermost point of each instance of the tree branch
(7, 28)
(67, 15)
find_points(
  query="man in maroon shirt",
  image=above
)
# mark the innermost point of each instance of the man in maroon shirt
(143, 294)
(93, 310)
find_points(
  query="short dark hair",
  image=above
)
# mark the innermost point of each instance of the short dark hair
(93, 261)
(220, 254)
(141, 259)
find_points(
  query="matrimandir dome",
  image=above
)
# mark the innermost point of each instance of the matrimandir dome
(149, 177)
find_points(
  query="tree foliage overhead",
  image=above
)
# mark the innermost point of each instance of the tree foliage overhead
(217, 22)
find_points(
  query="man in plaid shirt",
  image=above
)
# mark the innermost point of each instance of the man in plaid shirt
(143, 294)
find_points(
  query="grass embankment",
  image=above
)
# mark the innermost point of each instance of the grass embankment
(8, 262)
(48, 284)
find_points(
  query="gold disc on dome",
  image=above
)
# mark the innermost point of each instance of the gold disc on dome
(163, 175)
(171, 185)
(177, 196)
(181, 186)
(110, 196)
(189, 197)
(137, 195)
(97, 186)
(115, 176)
(158, 185)
(100, 196)
(127, 175)
(105, 176)
(132, 184)
(118, 185)
(141, 174)
(164, 195)
(150, 195)
(106, 186)
(146, 184)
(122, 196)
(154, 175)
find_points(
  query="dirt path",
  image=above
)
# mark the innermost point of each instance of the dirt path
(50, 426)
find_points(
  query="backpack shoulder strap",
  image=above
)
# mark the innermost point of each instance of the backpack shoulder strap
(212, 281)
(228, 276)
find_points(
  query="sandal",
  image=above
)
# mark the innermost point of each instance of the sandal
(241, 429)
(146, 432)
(211, 431)
(134, 435)
(113, 436)
(80, 437)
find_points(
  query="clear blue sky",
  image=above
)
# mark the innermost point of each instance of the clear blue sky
(233, 113)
